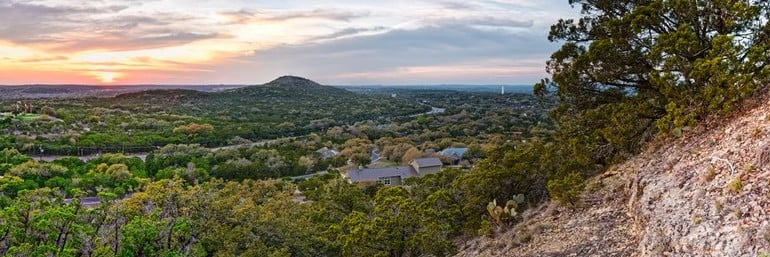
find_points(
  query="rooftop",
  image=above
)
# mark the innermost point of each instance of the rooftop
(428, 162)
(356, 175)
(452, 151)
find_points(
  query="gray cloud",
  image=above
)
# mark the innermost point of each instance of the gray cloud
(119, 41)
(28, 22)
(124, 22)
(74, 28)
(444, 45)
(491, 21)
(462, 6)
(349, 32)
(322, 14)
(437, 44)
(249, 15)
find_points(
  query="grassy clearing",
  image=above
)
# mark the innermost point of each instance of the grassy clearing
(28, 117)
(21, 117)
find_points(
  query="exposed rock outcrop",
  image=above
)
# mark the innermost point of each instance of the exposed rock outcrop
(706, 193)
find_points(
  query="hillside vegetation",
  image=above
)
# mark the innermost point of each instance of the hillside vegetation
(241, 200)
(704, 193)
(632, 73)
(143, 121)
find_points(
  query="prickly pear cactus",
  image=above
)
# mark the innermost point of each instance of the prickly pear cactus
(504, 214)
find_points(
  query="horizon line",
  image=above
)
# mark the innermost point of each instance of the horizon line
(202, 85)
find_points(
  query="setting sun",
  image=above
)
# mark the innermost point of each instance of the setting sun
(107, 77)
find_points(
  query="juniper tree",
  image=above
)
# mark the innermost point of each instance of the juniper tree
(628, 70)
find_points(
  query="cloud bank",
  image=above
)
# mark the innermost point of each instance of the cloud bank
(232, 41)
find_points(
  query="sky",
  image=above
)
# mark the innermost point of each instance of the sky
(344, 42)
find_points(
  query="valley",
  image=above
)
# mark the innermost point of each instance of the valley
(439, 128)
(289, 137)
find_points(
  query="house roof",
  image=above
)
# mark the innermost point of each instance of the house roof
(356, 175)
(452, 151)
(427, 162)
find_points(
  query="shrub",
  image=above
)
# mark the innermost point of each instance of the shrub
(566, 189)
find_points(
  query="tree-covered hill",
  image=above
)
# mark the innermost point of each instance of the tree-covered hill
(297, 85)
(287, 106)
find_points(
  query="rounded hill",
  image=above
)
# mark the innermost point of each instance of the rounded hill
(291, 86)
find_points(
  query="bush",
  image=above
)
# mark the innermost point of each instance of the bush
(566, 189)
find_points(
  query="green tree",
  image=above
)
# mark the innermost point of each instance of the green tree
(631, 70)
(118, 172)
(388, 231)
(361, 159)
(340, 198)
(12, 156)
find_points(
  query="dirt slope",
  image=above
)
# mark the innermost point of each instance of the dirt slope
(706, 193)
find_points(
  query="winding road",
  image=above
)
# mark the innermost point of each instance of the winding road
(143, 156)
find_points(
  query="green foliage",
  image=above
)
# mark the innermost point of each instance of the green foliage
(505, 174)
(399, 226)
(205, 202)
(142, 121)
(10, 157)
(194, 129)
(628, 71)
(566, 189)
(360, 159)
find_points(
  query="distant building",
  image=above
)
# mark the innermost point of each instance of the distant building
(425, 166)
(386, 176)
(392, 176)
(454, 154)
(327, 153)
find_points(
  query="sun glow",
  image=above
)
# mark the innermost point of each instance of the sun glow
(107, 77)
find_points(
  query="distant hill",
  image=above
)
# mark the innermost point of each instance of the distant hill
(289, 86)
(525, 89)
(285, 86)
(286, 106)
(79, 91)
(162, 96)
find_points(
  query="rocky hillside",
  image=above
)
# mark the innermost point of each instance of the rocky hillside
(706, 193)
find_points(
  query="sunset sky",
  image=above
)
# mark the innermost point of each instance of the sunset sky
(251, 42)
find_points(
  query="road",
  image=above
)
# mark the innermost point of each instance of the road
(375, 155)
(86, 158)
(143, 156)
(90, 201)
(308, 176)
(258, 143)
